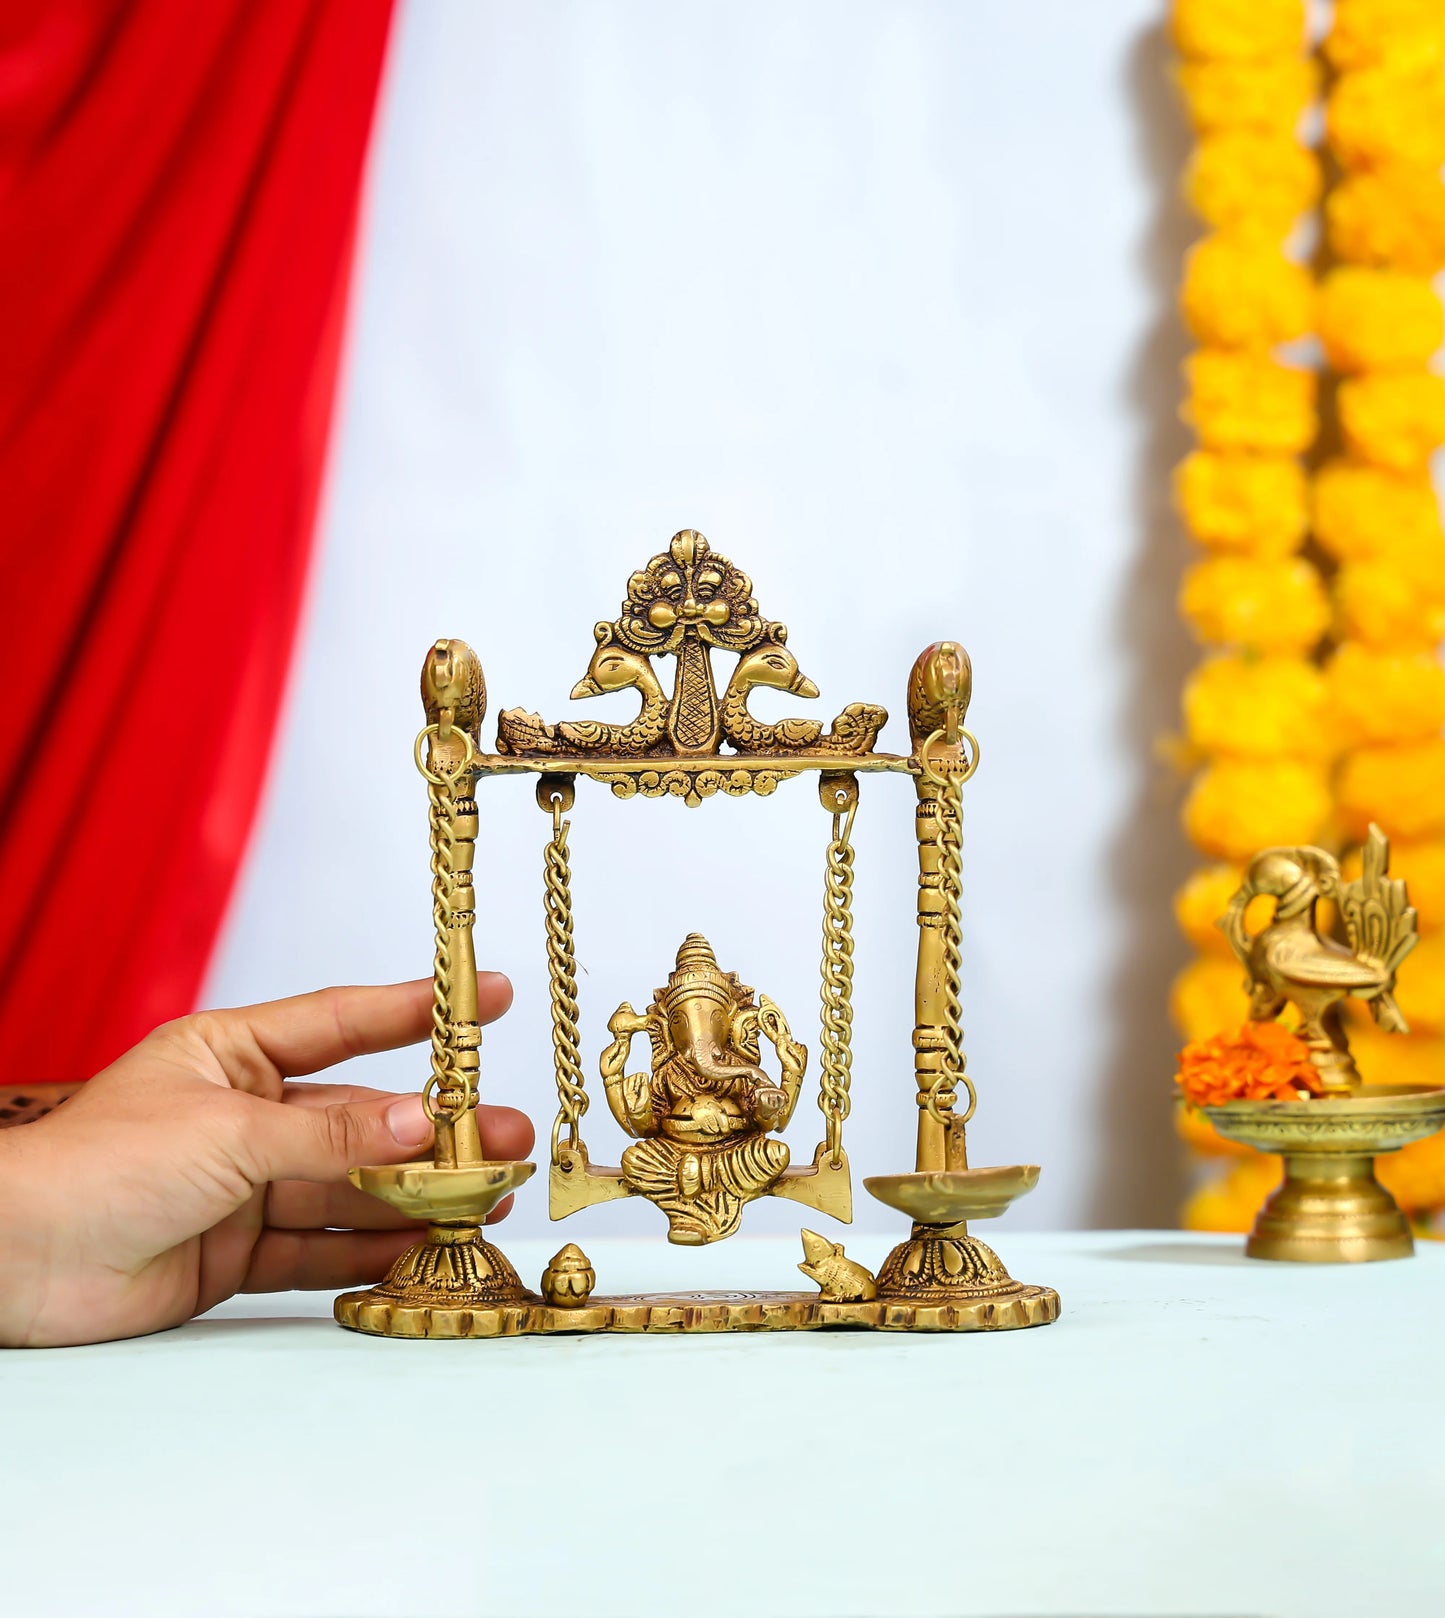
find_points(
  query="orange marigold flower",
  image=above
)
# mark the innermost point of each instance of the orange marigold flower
(1408, 34)
(1378, 320)
(1240, 401)
(1402, 789)
(1421, 865)
(1236, 807)
(1387, 606)
(1393, 216)
(1361, 512)
(1258, 707)
(1267, 606)
(1271, 95)
(1256, 504)
(1240, 177)
(1395, 419)
(1238, 30)
(1382, 115)
(1258, 1061)
(1242, 292)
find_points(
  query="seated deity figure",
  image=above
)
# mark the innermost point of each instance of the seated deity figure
(704, 1116)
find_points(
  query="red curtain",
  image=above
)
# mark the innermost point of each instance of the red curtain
(178, 200)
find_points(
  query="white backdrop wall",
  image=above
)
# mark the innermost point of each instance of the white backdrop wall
(875, 295)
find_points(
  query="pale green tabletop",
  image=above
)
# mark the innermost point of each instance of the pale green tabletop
(1198, 1435)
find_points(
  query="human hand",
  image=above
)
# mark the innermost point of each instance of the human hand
(191, 1168)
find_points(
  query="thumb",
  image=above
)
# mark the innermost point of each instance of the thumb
(285, 1142)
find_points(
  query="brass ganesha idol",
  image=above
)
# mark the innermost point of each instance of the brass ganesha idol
(704, 1116)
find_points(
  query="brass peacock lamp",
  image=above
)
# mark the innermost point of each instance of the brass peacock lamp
(1330, 1208)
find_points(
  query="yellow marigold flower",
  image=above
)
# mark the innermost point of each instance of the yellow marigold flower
(1378, 320)
(1381, 115)
(1265, 606)
(1397, 1058)
(1383, 605)
(1242, 292)
(1408, 34)
(1401, 789)
(1258, 707)
(1420, 991)
(1205, 897)
(1246, 402)
(1250, 503)
(1395, 420)
(1238, 806)
(1415, 1175)
(1199, 1135)
(1360, 513)
(1392, 215)
(1208, 997)
(1270, 95)
(1238, 30)
(1230, 1203)
(1240, 177)
(1422, 868)
(1380, 695)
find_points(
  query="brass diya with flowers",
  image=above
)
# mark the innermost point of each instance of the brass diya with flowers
(1298, 1092)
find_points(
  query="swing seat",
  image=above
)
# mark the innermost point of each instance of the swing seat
(576, 1183)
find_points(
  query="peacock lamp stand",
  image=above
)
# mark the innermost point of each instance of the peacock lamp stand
(706, 1114)
(1329, 1208)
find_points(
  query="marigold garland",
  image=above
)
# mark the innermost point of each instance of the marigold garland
(1375, 512)
(1259, 712)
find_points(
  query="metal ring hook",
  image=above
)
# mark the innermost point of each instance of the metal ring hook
(925, 763)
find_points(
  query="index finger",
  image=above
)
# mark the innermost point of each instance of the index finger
(309, 1032)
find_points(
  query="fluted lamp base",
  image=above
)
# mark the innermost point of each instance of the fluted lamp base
(1330, 1208)
(941, 1266)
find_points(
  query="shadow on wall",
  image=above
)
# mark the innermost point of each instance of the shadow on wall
(1141, 1174)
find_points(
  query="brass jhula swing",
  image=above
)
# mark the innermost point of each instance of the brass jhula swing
(705, 1117)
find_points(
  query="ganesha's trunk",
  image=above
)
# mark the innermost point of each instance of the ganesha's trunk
(702, 1050)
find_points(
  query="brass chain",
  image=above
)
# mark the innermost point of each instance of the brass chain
(951, 1073)
(836, 1055)
(443, 1100)
(572, 1098)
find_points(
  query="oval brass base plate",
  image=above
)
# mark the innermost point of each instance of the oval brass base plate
(697, 1312)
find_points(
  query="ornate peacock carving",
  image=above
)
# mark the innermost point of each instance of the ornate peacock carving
(772, 665)
(613, 668)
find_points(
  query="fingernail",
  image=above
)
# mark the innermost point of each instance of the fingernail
(408, 1122)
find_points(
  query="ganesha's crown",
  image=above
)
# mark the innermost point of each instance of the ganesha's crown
(698, 974)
